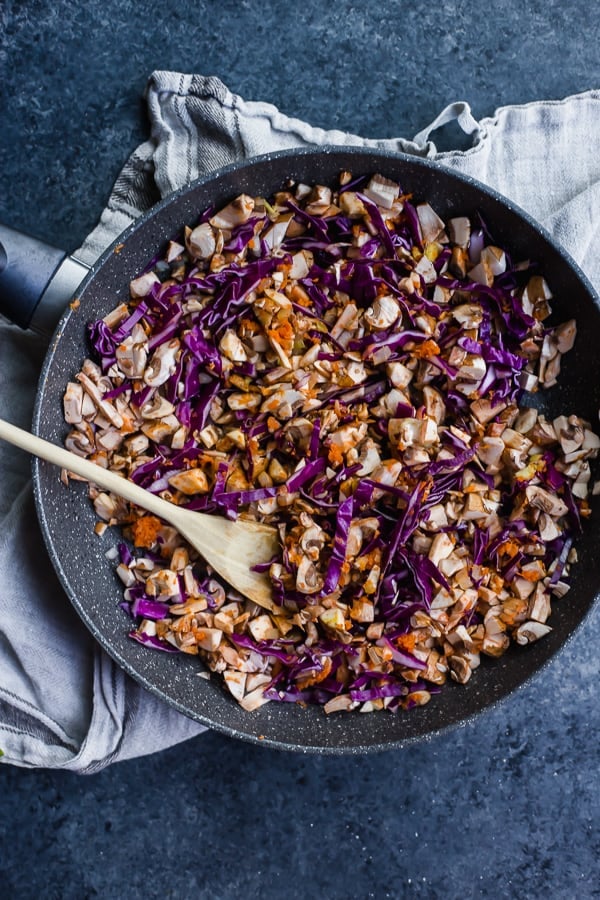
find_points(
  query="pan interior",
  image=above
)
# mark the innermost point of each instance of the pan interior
(68, 518)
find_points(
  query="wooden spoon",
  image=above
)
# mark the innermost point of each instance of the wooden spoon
(230, 547)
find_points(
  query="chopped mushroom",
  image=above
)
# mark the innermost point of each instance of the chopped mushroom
(132, 353)
(191, 482)
(141, 287)
(531, 631)
(235, 213)
(231, 347)
(430, 222)
(382, 191)
(73, 403)
(202, 241)
(547, 502)
(383, 313)
(459, 230)
(162, 363)
(156, 408)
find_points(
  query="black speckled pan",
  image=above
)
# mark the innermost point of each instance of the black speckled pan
(67, 517)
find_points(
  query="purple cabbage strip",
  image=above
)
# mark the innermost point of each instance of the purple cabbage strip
(338, 553)
(150, 640)
(379, 223)
(149, 609)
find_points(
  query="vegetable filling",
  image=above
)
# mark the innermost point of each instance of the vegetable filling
(343, 364)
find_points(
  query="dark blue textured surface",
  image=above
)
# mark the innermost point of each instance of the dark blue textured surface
(505, 807)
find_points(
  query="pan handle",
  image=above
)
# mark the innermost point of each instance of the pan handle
(36, 280)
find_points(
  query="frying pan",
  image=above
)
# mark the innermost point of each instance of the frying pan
(67, 518)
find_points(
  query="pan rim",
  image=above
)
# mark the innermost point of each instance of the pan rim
(247, 164)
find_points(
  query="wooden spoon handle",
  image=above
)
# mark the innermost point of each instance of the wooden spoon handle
(230, 547)
(109, 481)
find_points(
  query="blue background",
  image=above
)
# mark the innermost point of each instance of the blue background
(506, 806)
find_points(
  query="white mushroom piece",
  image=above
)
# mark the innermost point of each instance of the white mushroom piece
(492, 262)
(73, 403)
(408, 432)
(347, 321)
(381, 191)
(109, 439)
(318, 200)
(202, 241)
(190, 482)
(275, 235)
(308, 580)
(80, 443)
(255, 688)
(105, 407)
(262, 629)
(352, 206)
(368, 458)
(116, 316)
(301, 264)
(162, 363)
(312, 540)
(430, 222)
(459, 231)
(235, 213)
(132, 353)
(435, 408)
(551, 504)
(564, 336)
(531, 631)
(468, 314)
(140, 287)
(399, 375)
(156, 408)
(426, 269)
(231, 346)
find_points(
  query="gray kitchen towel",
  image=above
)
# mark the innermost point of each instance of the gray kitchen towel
(63, 702)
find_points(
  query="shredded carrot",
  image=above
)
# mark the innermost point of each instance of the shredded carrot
(406, 642)
(335, 455)
(249, 325)
(315, 677)
(282, 333)
(508, 548)
(532, 575)
(426, 349)
(127, 427)
(145, 531)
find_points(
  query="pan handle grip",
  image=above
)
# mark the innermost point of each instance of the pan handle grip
(36, 280)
